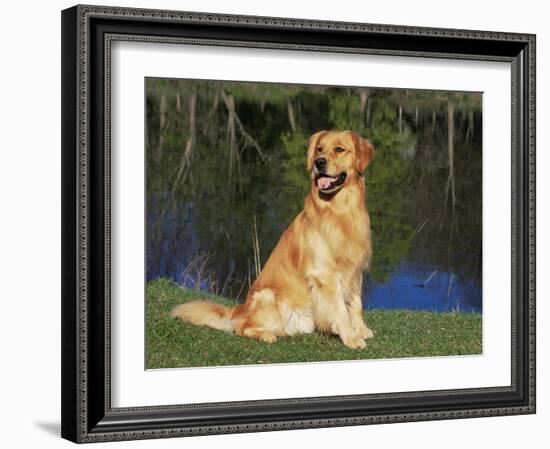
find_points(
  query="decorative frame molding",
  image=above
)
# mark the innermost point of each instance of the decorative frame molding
(87, 34)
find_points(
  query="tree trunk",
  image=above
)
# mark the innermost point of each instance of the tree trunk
(363, 98)
(400, 119)
(231, 130)
(450, 147)
(178, 103)
(291, 117)
(233, 122)
(163, 113)
(367, 118)
(189, 144)
(470, 129)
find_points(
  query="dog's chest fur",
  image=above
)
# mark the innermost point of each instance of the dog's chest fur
(341, 243)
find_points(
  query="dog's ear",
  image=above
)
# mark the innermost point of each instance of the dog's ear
(313, 140)
(364, 152)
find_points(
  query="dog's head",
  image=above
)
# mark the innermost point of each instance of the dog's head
(335, 157)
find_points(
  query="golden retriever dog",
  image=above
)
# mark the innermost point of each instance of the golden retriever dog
(313, 278)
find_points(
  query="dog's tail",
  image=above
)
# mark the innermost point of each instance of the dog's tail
(205, 313)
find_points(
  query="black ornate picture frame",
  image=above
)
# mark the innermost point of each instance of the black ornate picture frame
(87, 35)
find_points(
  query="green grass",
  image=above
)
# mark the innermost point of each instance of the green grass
(398, 333)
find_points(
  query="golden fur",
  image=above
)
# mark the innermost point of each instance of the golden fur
(313, 278)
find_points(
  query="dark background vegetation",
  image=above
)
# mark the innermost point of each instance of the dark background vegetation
(226, 175)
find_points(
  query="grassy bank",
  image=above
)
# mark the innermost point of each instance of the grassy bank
(398, 333)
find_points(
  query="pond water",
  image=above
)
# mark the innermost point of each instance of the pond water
(421, 288)
(408, 285)
(226, 175)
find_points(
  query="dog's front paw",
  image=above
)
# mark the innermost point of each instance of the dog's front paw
(367, 333)
(354, 342)
(268, 337)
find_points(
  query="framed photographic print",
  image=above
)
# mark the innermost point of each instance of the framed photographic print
(266, 222)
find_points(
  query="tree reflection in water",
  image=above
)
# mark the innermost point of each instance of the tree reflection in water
(226, 175)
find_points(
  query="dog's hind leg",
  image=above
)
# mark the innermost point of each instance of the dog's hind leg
(259, 333)
(262, 320)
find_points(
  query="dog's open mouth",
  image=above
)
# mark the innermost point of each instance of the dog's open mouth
(326, 182)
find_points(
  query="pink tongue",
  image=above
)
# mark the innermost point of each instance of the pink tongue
(324, 182)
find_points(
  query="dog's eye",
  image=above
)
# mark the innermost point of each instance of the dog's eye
(339, 149)
(319, 149)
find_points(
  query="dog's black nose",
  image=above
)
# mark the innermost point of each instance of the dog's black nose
(320, 163)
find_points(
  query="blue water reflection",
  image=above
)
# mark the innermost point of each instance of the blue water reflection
(172, 253)
(417, 288)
